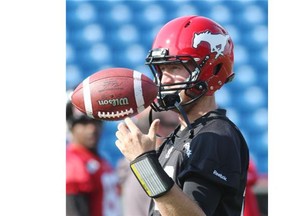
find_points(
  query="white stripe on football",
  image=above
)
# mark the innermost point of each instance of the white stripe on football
(114, 94)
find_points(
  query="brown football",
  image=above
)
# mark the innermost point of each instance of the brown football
(114, 94)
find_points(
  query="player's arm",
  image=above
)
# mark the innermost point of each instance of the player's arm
(139, 149)
(77, 205)
(175, 202)
(198, 192)
(199, 195)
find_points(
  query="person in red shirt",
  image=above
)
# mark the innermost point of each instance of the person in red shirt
(92, 187)
(251, 204)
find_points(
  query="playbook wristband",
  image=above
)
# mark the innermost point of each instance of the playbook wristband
(150, 174)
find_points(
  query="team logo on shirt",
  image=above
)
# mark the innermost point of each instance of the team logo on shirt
(221, 176)
(187, 149)
(169, 152)
(92, 166)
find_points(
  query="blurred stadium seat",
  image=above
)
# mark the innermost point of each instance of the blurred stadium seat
(101, 34)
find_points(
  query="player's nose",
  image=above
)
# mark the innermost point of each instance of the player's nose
(167, 78)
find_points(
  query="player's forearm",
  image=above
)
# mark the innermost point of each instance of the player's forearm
(170, 199)
(176, 203)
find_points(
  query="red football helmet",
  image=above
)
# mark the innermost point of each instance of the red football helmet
(192, 40)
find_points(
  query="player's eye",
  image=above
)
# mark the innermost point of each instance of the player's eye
(170, 68)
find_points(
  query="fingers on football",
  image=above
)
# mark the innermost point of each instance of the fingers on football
(131, 125)
(153, 128)
(122, 128)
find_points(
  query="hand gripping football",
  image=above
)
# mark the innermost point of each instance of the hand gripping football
(114, 94)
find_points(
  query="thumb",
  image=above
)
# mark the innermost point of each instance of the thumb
(153, 129)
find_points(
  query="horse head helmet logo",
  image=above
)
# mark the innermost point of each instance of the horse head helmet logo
(217, 41)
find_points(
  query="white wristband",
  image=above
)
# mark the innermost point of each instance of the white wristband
(150, 174)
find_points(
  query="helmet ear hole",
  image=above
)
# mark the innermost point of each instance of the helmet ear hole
(217, 68)
(200, 86)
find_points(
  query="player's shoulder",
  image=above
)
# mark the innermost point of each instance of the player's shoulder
(219, 129)
(81, 166)
(80, 156)
(220, 123)
(217, 125)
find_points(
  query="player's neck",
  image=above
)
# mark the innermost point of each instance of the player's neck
(199, 109)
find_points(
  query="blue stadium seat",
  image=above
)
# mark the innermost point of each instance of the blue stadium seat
(262, 164)
(254, 14)
(119, 14)
(74, 76)
(251, 14)
(152, 15)
(80, 15)
(223, 97)
(255, 123)
(245, 76)
(233, 114)
(70, 54)
(241, 55)
(132, 55)
(234, 33)
(221, 14)
(184, 9)
(260, 150)
(252, 98)
(123, 36)
(260, 119)
(87, 36)
(260, 34)
(107, 146)
(95, 57)
(102, 34)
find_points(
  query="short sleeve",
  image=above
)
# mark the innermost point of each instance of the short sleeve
(215, 157)
(78, 178)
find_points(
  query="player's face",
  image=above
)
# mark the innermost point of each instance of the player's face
(173, 73)
(87, 134)
(176, 73)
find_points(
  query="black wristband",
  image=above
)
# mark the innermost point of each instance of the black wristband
(150, 174)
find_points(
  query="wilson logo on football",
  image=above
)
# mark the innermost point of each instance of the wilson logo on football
(217, 41)
(114, 102)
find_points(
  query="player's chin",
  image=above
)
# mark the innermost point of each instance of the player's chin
(91, 142)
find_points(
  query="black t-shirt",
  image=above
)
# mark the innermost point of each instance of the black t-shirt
(209, 163)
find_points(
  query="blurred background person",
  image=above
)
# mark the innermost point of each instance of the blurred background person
(251, 203)
(92, 187)
(135, 201)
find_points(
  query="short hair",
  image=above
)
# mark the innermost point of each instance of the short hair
(74, 116)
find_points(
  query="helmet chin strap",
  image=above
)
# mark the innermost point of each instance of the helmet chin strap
(176, 100)
(183, 113)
